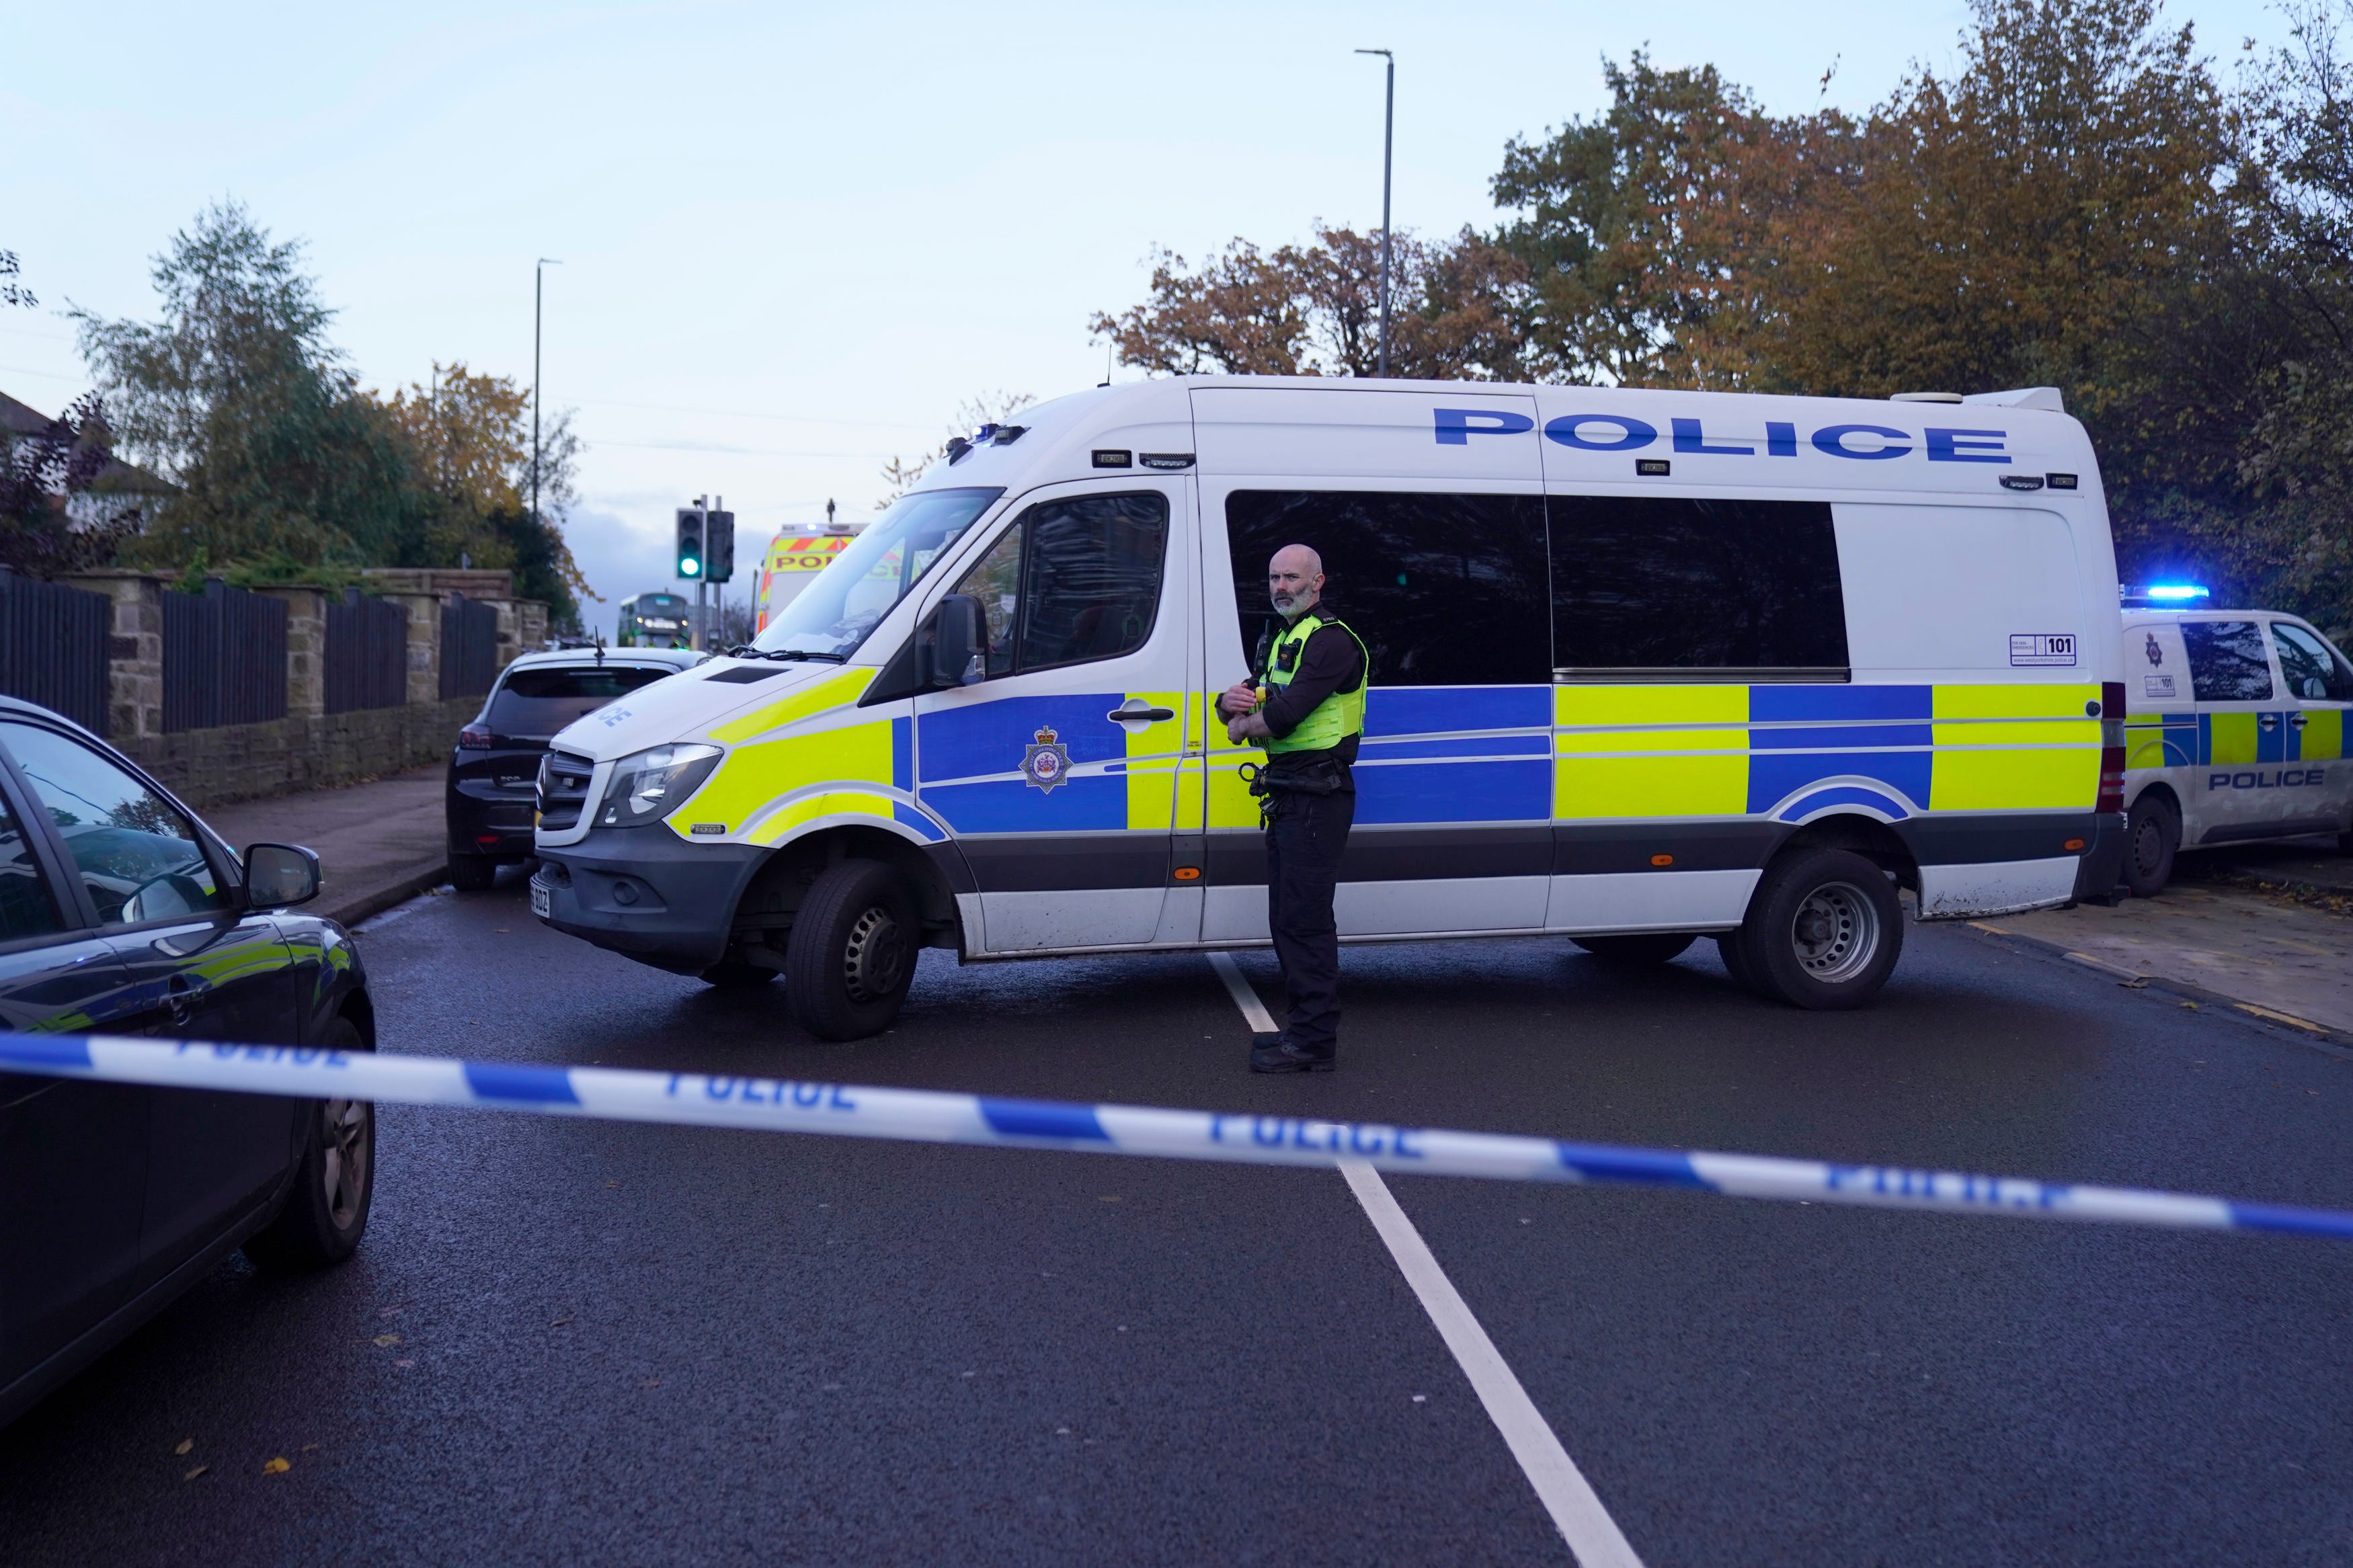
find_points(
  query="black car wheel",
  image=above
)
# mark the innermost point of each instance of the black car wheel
(852, 951)
(1823, 930)
(326, 1212)
(2152, 834)
(472, 873)
(1648, 948)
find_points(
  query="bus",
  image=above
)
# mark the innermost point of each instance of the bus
(656, 620)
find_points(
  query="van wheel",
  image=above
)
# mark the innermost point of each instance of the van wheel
(1823, 930)
(852, 951)
(472, 873)
(2152, 833)
(326, 1212)
(1648, 948)
(1727, 948)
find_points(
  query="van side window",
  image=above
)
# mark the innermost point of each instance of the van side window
(1072, 581)
(1445, 590)
(2226, 661)
(2315, 672)
(1663, 586)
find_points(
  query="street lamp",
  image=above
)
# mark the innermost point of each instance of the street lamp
(538, 291)
(1389, 143)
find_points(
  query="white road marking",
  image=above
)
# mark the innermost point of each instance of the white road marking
(1592, 1535)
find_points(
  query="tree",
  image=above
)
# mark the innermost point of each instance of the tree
(45, 478)
(11, 292)
(1314, 310)
(468, 440)
(237, 396)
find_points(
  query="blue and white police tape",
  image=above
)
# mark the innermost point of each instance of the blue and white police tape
(925, 1116)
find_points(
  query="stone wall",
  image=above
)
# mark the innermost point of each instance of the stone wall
(309, 748)
(249, 762)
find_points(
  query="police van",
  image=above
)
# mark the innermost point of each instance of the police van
(1646, 666)
(2236, 729)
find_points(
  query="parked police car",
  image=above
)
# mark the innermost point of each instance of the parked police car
(1645, 666)
(494, 766)
(2237, 730)
(122, 913)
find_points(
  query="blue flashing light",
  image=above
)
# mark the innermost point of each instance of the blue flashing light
(2176, 591)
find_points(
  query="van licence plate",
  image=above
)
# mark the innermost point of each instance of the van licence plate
(539, 898)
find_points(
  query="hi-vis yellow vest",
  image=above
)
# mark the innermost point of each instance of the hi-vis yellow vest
(1335, 718)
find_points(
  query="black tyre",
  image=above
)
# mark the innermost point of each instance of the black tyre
(1823, 930)
(472, 873)
(2152, 834)
(733, 974)
(1727, 948)
(1649, 947)
(852, 951)
(326, 1212)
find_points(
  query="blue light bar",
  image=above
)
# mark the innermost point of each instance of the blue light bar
(2175, 591)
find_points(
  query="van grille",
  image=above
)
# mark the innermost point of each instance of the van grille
(562, 789)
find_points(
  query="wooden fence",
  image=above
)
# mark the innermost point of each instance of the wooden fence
(469, 648)
(53, 647)
(224, 659)
(367, 654)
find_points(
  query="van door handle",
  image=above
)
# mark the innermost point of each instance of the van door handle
(1140, 715)
(2298, 720)
(2267, 721)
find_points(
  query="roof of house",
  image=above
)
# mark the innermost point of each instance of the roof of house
(118, 478)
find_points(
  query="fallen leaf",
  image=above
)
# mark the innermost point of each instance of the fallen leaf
(199, 1471)
(559, 1322)
(2192, 1005)
(405, 1360)
(650, 1383)
(309, 1447)
(1110, 1197)
(612, 1184)
(388, 1338)
(186, 1444)
(2134, 984)
(278, 1467)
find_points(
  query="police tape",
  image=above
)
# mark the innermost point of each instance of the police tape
(926, 1116)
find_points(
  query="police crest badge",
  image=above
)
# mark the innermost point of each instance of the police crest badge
(1047, 763)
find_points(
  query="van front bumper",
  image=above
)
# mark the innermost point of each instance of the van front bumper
(643, 892)
(2103, 866)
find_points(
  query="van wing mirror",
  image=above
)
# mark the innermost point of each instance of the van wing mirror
(277, 875)
(955, 640)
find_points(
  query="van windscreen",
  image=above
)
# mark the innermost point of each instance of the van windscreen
(1665, 587)
(539, 702)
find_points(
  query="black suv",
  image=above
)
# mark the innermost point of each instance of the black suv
(494, 767)
(123, 914)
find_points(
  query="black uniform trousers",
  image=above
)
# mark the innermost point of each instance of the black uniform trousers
(1305, 837)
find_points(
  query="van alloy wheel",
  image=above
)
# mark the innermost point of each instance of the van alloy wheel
(1836, 932)
(874, 959)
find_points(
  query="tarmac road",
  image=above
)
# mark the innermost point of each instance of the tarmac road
(576, 1342)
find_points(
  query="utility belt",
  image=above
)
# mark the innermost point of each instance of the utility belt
(1294, 774)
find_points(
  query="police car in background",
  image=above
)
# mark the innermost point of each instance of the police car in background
(2237, 728)
(1646, 667)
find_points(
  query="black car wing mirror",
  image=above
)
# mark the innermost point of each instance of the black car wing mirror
(955, 641)
(277, 875)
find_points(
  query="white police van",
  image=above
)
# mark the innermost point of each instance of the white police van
(2236, 729)
(1646, 666)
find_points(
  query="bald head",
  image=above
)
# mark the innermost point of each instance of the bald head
(1294, 581)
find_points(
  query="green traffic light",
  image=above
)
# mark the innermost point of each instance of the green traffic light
(688, 566)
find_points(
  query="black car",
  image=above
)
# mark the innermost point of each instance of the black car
(494, 767)
(121, 913)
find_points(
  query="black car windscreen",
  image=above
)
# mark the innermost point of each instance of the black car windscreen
(539, 702)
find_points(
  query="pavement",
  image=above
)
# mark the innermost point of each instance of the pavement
(378, 843)
(570, 1341)
(2270, 928)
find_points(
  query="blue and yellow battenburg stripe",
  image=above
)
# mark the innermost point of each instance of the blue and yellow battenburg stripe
(930, 1115)
(1429, 755)
(2229, 739)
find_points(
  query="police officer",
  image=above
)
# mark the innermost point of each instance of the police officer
(1306, 710)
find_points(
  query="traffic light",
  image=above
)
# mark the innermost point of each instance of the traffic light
(689, 544)
(719, 548)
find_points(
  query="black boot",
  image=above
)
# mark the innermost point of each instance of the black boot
(1275, 1053)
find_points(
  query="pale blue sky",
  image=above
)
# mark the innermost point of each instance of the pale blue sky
(796, 237)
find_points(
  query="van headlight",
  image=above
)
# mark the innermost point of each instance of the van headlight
(650, 784)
